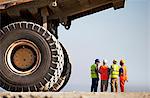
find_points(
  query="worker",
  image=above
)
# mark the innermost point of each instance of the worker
(123, 75)
(114, 71)
(104, 75)
(94, 75)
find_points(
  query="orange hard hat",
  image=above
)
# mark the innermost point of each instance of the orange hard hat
(122, 61)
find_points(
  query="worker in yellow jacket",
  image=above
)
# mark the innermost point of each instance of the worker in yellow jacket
(114, 72)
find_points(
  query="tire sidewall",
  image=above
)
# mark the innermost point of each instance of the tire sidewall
(44, 48)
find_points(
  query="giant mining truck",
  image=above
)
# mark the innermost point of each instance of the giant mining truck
(31, 57)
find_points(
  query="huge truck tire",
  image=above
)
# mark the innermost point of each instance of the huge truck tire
(64, 78)
(30, 57)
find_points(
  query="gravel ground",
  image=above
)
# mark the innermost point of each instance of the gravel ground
(71, 95)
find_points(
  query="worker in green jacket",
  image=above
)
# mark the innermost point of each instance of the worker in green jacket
(94, 75)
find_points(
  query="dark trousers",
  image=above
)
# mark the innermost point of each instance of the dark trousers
(104, 85)
(94, 84)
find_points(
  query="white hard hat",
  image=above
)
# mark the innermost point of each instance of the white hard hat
(105, 61)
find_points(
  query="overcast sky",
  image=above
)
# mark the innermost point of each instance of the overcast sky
(110, 34)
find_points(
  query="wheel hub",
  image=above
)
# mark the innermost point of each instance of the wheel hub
(23, 57)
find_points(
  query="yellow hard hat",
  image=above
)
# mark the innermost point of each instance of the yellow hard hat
(122, 61)
(114, 61)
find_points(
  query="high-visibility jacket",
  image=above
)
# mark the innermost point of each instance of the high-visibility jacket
(115, 71)
(104, 72)
(123, 73)
(94, 71)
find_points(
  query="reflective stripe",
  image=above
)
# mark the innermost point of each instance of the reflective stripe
(94, 74)
(115, 71)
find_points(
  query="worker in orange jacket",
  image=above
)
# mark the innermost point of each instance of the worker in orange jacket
(123, 75)
(104, 75)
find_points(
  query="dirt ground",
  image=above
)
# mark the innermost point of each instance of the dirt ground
(71, 95)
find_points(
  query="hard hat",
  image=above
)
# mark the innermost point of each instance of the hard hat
(114, 61)
(105, 61)
(97, 60)
(122, 61)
